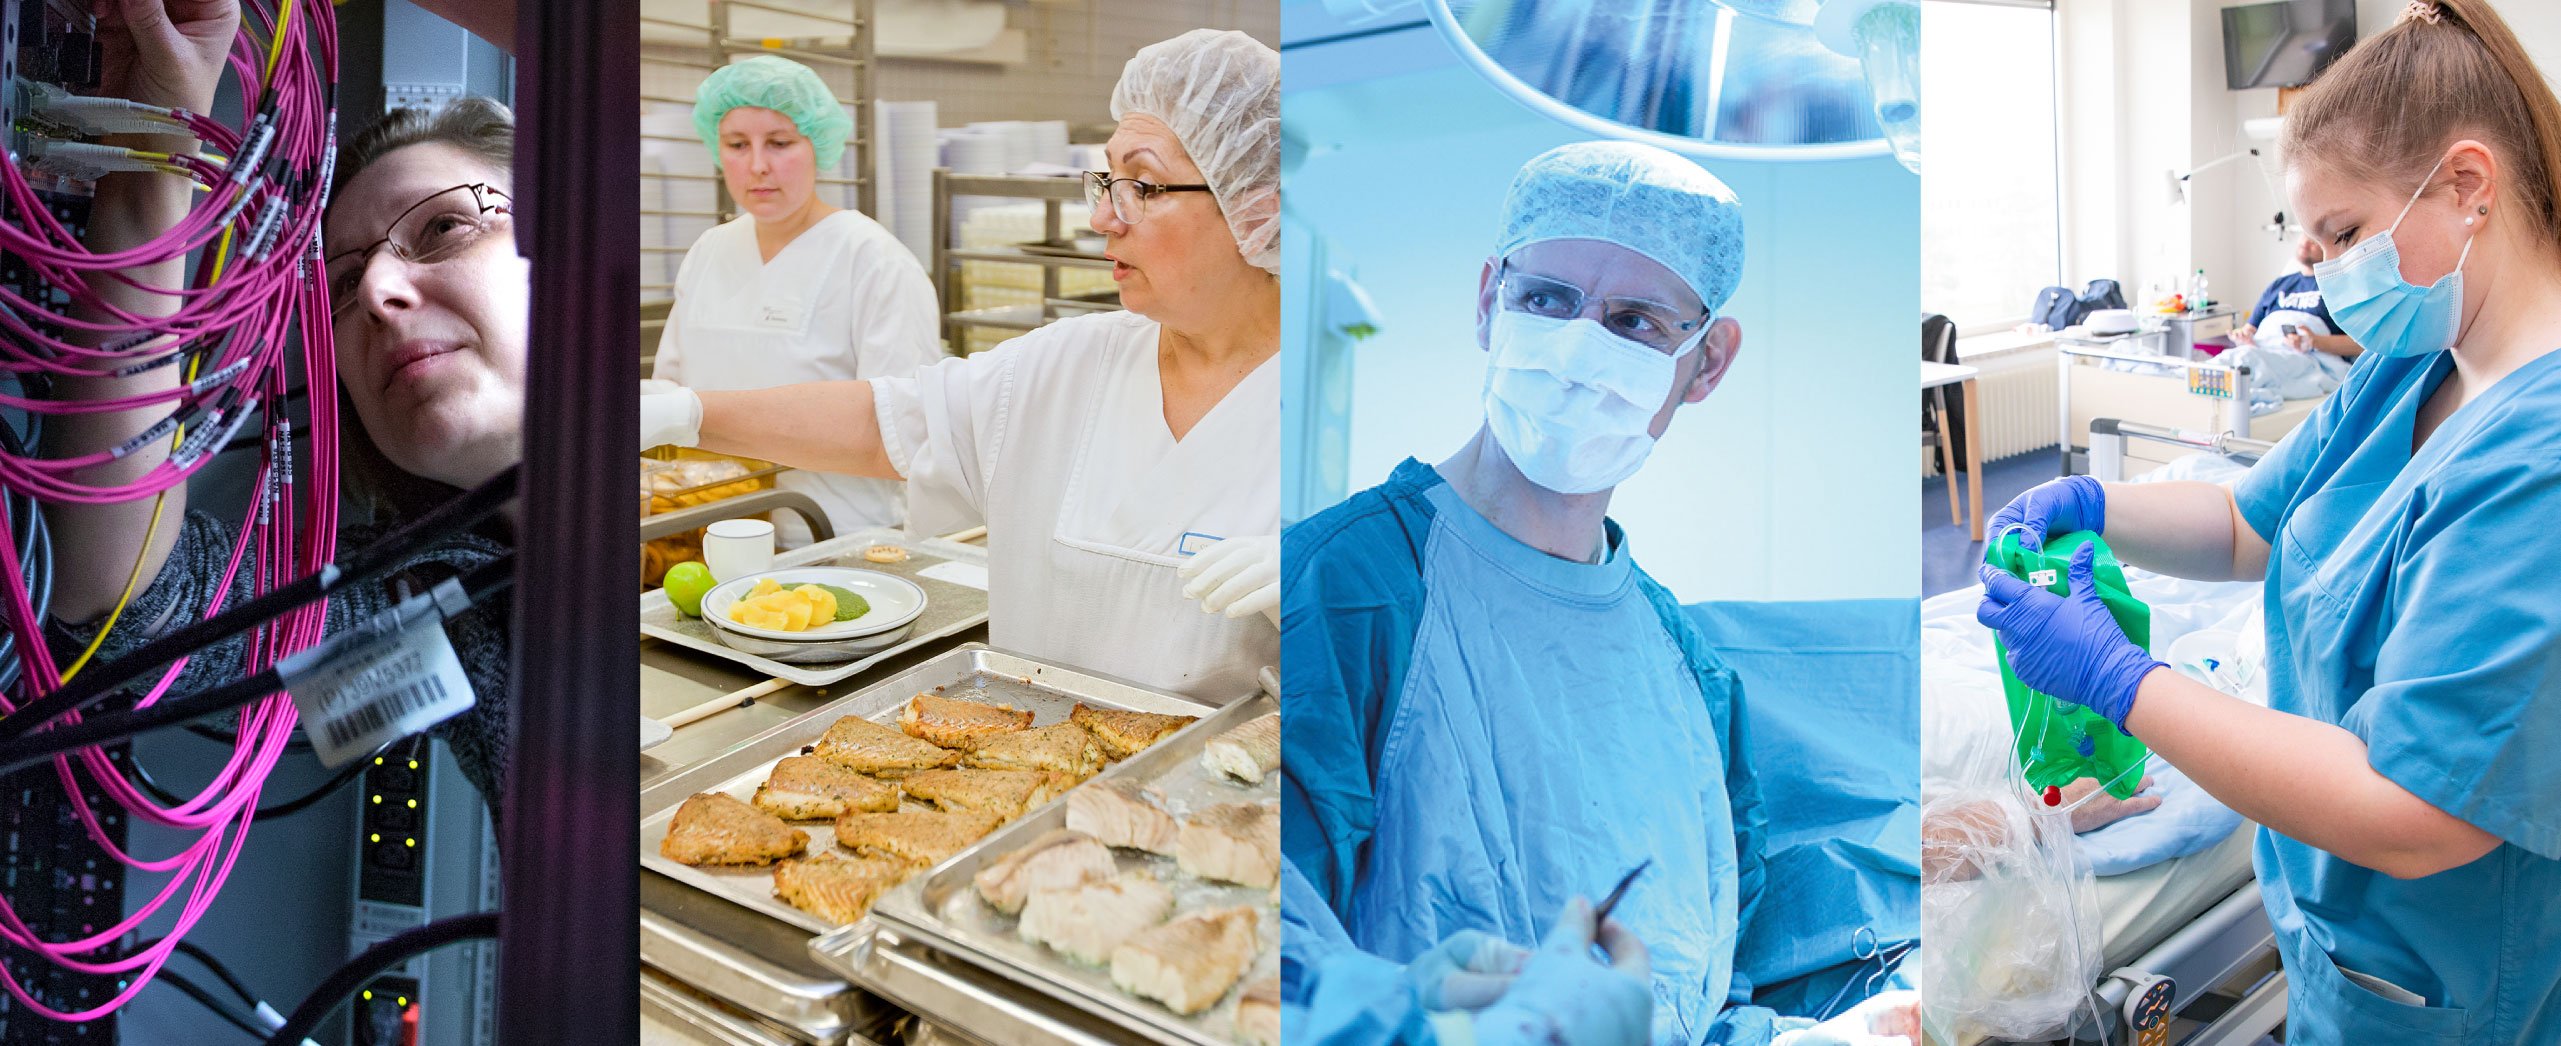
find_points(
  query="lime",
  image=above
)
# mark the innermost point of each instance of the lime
(686, 584)
(848, 605)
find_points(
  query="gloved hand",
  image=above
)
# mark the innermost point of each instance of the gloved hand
(669, 414)
(2058, 506)
(1236, 577)
(1468, 970)
(2066, 646)
(1563, 998)
(1887, 1018)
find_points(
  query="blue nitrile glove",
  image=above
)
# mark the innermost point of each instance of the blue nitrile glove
(1563, 998)
(2066, 646)
(2057, 506)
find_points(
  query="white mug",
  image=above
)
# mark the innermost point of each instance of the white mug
(735, 548)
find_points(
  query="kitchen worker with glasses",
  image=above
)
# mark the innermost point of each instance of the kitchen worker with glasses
(1125, 464)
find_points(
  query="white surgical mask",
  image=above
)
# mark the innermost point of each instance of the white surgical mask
(1572, 403)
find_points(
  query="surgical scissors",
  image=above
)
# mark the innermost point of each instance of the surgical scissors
(1866, 947)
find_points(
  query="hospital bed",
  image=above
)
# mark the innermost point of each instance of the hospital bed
(2194, 920)
(2098, 381)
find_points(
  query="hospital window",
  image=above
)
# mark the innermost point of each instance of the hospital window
(1989, 220)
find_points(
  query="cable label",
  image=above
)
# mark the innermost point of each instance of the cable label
(391, 677)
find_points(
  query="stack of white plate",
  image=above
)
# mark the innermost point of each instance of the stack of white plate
(1049, 141)
(971, 150)
(905, 173)
(896, 603)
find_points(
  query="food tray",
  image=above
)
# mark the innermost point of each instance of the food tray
(941, 908)
(950, 608)
(973, 672)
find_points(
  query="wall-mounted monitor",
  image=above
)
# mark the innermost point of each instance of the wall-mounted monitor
(2284, 44)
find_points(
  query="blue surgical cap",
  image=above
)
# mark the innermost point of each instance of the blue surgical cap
(1645, 199)
(779, 84)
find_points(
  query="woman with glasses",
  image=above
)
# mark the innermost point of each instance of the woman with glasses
(1104, 453)
(794, 289)
(428, 311)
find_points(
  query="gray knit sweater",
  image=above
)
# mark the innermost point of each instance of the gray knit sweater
(180, 594)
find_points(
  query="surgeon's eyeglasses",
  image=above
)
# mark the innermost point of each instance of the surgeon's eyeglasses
(444, 224)
(1128, 196)
(1662, 328)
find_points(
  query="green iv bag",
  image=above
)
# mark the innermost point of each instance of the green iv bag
(2060, 742)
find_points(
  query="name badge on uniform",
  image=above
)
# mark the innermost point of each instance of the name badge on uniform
(784, 315)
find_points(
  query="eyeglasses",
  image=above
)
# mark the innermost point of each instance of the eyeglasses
(1128, 196)
(1662, 328)
(444, 224)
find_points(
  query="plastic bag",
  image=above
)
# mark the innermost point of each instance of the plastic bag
(2009, 921)
(2061, 742)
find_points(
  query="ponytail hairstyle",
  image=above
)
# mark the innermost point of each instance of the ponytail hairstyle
(2445, 71)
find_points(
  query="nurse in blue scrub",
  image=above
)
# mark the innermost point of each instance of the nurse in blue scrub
(1493, 712)
(2408, 771)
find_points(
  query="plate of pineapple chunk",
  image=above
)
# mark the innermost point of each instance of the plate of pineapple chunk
(812, 604)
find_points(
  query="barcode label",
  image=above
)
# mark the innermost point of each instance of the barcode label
(381, 712)
(376, 683)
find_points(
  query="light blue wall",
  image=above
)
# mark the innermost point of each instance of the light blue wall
(1795, 480)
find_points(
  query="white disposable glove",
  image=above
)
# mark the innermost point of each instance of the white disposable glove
(1887, 1018)
(669, 414)
(1236, 577)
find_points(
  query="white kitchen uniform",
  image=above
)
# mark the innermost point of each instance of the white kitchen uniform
(1056, 440)
(843, 300)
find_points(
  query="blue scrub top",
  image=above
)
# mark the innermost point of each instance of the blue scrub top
(2411, 599)
(2298, 292)
(1406, 619)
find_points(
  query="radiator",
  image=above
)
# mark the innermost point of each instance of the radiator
(2021, 406)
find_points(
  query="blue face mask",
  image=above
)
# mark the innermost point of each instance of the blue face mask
(2383, 312)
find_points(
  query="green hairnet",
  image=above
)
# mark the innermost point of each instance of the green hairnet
(1645, 199)
(1219, 90)
(779, 84)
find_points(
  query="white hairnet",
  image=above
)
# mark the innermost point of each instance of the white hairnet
(1645, 199)
(782, 85)
(1220, 92)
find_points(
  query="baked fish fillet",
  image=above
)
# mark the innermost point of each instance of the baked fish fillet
(1247, 752)
(1063, 747)
(954, 723)
(1125, 733)
(715, 828)
(1188, 963)
(1118, 814)
(835, 887)
(1087, 922)
(1057, 860)
(1258, 1012)
(1004, 793)
(1231, 842)
(866, 747)
(922, 837)
(807, 788)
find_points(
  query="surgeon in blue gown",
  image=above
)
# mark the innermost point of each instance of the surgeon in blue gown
(2407, 773)
(1492, 711)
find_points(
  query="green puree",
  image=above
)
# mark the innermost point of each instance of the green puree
(848, 605)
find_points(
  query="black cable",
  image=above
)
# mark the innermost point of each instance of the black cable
(288, 808)
(191, 948)
(391, 952)
(226, 1011)
(17, 753)
(366, 564)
